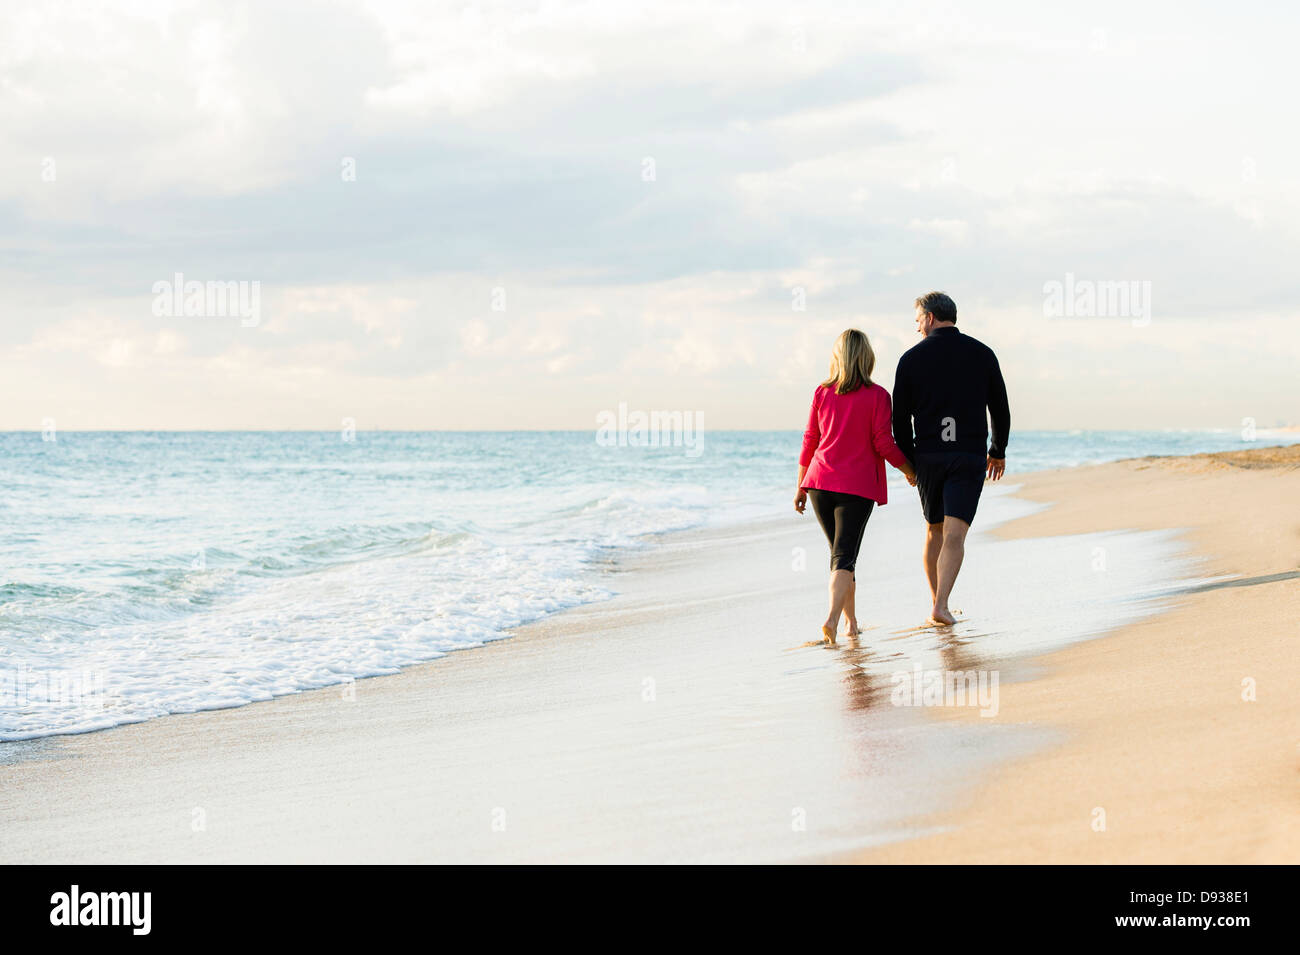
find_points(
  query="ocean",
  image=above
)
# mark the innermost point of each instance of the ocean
(146, 573)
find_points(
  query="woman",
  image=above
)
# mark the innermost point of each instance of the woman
(842, 465)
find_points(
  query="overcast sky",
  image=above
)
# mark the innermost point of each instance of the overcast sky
(558, 208)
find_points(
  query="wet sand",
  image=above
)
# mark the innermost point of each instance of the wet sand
(1159, 736)
(683, 720)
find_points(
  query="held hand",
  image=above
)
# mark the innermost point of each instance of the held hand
(910, 473)
(800, 499)
(996, 468)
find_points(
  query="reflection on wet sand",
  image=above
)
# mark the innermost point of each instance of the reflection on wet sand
(959, 649)
(865, 685)
(870, 670)
(871, 675)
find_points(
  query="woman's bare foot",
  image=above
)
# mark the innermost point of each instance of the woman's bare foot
(853, 626)
(942, 616)
(828, 634)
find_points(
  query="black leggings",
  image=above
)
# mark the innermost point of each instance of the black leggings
(844, 519)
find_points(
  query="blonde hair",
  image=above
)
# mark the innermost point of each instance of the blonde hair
(852, 362)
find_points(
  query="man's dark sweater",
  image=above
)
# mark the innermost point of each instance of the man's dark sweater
(945, 383)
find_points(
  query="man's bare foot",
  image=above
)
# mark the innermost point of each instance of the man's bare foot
(942, 616)
(828, 635)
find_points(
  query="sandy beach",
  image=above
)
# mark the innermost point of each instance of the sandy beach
(1160, 734)
(684, 721)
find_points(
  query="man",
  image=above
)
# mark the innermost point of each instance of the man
(942, 388)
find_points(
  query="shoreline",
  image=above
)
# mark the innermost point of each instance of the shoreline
(552, 728)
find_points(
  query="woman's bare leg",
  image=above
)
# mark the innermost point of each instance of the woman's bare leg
(841, 581)
(850, 610)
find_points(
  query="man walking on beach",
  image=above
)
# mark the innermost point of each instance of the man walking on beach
(941, 391)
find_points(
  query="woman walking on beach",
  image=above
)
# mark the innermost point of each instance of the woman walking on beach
(842, 465)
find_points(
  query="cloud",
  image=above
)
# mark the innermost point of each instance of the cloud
(858, 155)
(953, 231)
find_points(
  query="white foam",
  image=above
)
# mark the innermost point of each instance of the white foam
(287, 635)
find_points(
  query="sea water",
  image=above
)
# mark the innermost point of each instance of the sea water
(146, 573)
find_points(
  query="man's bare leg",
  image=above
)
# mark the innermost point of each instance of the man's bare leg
(933, 544)
(950, 558)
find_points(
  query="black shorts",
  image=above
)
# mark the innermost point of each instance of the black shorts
(843, 518)
(950, 483)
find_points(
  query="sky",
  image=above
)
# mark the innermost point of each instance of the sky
(517, 216)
